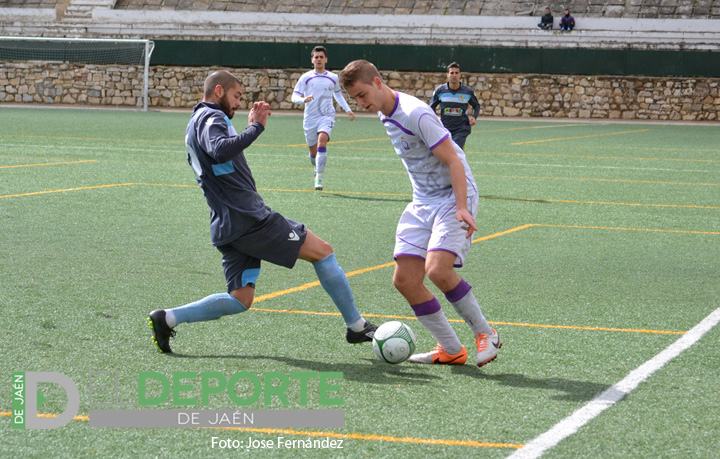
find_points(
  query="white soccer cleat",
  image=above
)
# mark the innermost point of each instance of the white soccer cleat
(487, 347)
(318, 184)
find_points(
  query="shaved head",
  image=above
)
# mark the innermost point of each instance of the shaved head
(221, 77)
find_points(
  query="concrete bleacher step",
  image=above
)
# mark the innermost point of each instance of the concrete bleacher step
(82, 10)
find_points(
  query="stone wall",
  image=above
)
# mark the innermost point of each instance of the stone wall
(501, 95)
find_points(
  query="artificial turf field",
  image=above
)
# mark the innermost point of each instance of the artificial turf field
(598, 248)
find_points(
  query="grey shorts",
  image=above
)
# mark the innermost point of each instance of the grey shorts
(275, 239)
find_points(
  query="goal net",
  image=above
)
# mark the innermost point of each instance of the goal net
(134, 52)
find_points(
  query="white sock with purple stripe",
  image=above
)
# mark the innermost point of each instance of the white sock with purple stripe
(432, 317)
(464, 302)
(321, 160)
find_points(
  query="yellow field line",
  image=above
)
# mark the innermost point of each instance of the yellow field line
(359, 140)
(350, 436)
(565, 201)
(575, 327)
(626, 229)
(580, 137)
(165, 184)
(551, 155)
(92, 138)
(194, 186)
(46, 415)
(646, 148)
(502, 233)
(604, 203)
(300, 288)
(329, 143)
(48, 164)
(550, 126)
(336, 192)
(33, 193)
(492, 322)
(583, 179)
(372, 437)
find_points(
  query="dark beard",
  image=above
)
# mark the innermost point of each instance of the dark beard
(225, 106)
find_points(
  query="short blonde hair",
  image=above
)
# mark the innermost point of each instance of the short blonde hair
(360, 70)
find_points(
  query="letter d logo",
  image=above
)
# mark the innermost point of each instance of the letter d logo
(73, 400)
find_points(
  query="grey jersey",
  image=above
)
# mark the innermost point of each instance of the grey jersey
(215, 152)
(414, 130)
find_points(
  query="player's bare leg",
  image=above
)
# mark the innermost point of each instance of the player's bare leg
(408, 279)
(313, 154)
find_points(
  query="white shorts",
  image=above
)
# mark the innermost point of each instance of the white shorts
(317, 125)
(423, 228)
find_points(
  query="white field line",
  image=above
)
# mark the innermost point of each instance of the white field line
(571, 424)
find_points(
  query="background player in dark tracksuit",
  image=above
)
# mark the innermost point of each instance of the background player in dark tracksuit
(242, 227)
(454, 98)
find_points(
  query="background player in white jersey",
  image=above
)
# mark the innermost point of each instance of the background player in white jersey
(434, 232)
(316, 89)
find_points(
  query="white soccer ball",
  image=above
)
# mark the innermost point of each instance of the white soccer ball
(394, 342)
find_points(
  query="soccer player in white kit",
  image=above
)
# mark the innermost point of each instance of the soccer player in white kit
(316, 89)
(434, 232)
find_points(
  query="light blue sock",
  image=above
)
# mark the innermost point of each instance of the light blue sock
(312, 159)
(209, 308)
(335, 283)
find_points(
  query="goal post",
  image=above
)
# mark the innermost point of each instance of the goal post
(82, 51)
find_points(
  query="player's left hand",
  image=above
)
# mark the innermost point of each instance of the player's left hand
(259, 113)
(473, 121)
(463, 215)
(351, 115)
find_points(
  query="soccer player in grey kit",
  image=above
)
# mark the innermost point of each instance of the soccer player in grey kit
(453, 98)
(242, 227)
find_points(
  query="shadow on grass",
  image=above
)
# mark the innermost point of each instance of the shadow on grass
(371, 372)
(366, 198)
(502, 198)
(569, 390)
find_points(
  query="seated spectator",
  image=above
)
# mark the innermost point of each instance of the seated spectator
(546, 21)
(567, 22)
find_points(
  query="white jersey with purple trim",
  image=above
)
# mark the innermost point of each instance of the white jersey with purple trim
(414, 130)
(323, 87)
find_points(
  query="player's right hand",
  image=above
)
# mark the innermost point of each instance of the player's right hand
(309, 98)
(463, 216)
